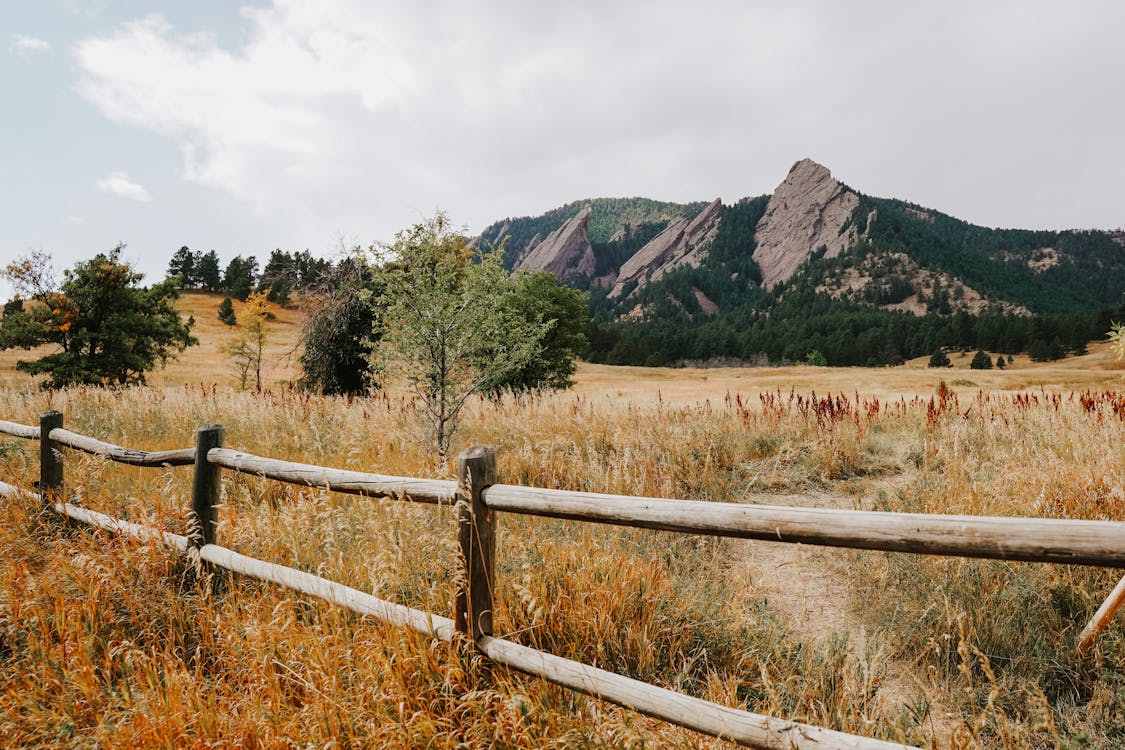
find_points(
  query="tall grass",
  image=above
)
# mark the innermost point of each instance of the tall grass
(104, 642)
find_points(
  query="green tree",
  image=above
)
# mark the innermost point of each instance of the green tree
(815, 359)
(981, 361)
(247, 348)
(183, 266)
(107, 329)
(1000, 363)
(939, 359)
(538, 300)
(446, 331)
(238, 279)
(226, 312)
(1116, 338)
(338, 333)
(207, 271)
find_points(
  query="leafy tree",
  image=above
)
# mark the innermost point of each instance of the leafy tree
(248, 346)
(815, 359)
(226, 312)
(981, 361)
(446, 330)
(939, 359)
(338, 332)
(207, 271)
(539, 300)
(1116, 338)
(183, 266)
(107, 329)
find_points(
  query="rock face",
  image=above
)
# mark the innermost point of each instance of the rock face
(807, 210)
(566, 252)
(683, 243)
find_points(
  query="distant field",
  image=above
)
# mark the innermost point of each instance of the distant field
(206, 364)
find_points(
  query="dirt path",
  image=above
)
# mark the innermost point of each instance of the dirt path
(809, 588)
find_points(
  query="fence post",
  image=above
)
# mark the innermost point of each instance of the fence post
(476, 471)
(205, 486)
(50, 460)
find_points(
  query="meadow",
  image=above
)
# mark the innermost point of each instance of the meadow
(105, 642)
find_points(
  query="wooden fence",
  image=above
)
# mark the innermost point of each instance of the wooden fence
(478, 496)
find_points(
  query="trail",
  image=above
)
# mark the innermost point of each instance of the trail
(808, 587)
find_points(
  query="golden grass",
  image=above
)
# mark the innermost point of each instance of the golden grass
(110, 643)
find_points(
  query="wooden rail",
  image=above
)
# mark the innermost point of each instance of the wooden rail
(479, 498)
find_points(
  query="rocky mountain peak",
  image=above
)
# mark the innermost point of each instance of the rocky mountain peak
(808, 210)
(684, 242)
(566, 252)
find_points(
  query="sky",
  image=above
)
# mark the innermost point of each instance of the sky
(244, 127)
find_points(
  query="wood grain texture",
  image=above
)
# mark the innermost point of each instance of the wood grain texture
(477, 537)
(1030, 539)
(28, 432)
(434, 491)
(751, 730)
(131, 456)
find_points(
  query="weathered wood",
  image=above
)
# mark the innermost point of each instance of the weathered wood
(50, 459)
(330, 591)
(477, 472)
(102, 521)
(206, 485)
(131, 456)
(752, 730)
(28, 432)
(1029, 539)
(432, 491)
(1102, 617)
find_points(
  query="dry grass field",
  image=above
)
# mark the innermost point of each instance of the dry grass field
(111, 643)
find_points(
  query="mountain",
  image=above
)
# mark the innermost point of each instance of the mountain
(819, 245)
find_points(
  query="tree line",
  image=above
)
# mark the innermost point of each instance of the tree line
(284, 273)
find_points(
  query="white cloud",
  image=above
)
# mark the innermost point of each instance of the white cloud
(358, 117)
(25, 45)
(119, 184)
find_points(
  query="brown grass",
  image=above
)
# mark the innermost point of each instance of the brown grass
(111, 643)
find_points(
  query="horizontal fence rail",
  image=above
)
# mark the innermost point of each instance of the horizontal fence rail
(1002, 538)
(478, 497)
(433, 491)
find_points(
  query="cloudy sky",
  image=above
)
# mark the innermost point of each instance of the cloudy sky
(245, 127)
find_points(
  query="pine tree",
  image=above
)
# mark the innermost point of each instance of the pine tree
(226, 312)
(1000, 363)
(981, 361)
(939, 359)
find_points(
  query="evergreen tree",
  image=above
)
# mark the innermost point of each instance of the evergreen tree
(981, 361)
(207, 271)
(226, 312)
(239, 277)
(182, 266)
(939, 359)
(1000, 363)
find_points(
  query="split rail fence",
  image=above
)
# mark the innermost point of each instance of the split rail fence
(478, 497)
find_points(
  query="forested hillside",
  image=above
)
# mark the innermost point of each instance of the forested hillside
(852, 279)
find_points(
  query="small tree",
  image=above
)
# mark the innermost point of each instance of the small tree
(226, 311)
(248, 346)
(1116, 337)
(939, 359)
(338, 332)
(981, 361)
(107, 329)
(446, 331)
(815, 359)
(1000, 363)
